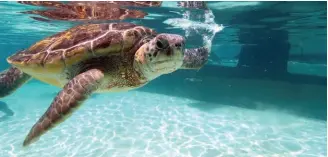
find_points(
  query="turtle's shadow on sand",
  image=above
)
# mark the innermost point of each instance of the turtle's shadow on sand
(204, 106)
(300, 95)
(7, 111)
(210, 106)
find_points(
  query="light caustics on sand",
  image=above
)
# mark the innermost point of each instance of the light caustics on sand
(129, 124)
(206, 29)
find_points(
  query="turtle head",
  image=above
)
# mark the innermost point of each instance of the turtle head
(161, 55)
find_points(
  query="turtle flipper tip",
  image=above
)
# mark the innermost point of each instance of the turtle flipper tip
(27, 142)
(10, 80)
(75, 92)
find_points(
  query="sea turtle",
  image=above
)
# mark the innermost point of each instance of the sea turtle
(92, 58)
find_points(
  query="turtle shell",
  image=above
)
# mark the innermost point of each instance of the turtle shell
(47, 59)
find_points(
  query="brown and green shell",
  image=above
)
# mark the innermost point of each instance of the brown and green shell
(48, 58)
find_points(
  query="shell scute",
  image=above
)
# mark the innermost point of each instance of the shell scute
(39, 46)
(149, 31)
(38, 58)
(130, 37)
(141, 31)
(110, 38)
(53, 57)
(110, 43)
(76, 54)
(77, 35)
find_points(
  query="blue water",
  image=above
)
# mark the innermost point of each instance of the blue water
(262, 93)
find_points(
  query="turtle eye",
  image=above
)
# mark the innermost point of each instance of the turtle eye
(162, 44)
(159, 44)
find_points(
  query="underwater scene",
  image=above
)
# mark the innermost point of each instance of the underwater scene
(163, 79)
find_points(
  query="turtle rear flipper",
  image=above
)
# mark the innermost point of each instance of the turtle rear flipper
(11, 79)
(195, 58)
(68, 100)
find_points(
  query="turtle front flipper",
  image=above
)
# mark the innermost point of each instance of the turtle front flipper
(68, 100)
(195, 58)
(11, 79)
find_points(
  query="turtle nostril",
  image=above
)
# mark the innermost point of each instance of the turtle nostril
(178, 45)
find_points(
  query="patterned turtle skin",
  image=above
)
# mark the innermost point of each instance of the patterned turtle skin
(91, 58)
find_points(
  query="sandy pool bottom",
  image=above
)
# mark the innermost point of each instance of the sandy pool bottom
(140, 124)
